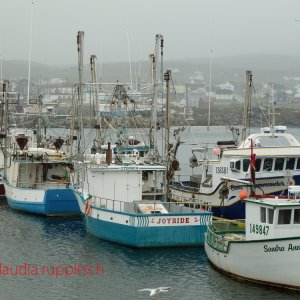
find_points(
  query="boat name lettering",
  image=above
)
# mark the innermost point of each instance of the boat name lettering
(222, 170)
(259, 229)
(278, 248)
(293, 247)
(266, 184)
(273, 249)
(173, 221)
(277, 183)
(129, 168)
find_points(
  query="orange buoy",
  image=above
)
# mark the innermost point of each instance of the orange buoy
(243, 194)
(87, 208)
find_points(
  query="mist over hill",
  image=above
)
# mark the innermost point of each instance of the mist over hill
(266, 68)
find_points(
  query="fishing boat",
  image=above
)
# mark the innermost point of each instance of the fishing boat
(37, 174)
(265, 247)
(277, 166)
(37, 178)
(122, 198)
(125, 204)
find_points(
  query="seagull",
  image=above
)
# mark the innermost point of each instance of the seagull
(157, 291)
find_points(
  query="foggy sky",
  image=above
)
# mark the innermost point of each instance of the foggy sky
(191, 28)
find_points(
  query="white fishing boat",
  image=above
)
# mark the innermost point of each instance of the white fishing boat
(37, 171)
(125, 204)
(122, 197)
(277, 166)
(265, 248)
(37, 179)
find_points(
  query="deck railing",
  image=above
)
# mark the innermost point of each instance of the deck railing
(218, 232)
(132, 207)
(43, 185)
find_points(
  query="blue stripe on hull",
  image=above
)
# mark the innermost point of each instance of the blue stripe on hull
(146, 236)
(31, 207)
(57, 202)
(234, 211)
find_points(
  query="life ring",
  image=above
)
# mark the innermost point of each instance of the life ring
(87, 208)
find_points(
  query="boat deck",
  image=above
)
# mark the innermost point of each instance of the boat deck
(234, 236)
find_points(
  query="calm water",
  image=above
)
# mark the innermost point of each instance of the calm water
(45, 243)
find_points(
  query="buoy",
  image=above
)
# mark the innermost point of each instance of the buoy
(87, 208)
(243, 194)
(216, 151)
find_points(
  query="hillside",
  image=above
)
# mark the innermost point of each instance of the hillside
(265, 68)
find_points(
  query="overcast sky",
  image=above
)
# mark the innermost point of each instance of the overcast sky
(190, 28)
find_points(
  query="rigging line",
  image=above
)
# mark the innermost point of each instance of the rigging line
(173, 86)
(250, 110)
(136, 131)
(30, 46)
(129, 57)
(259, 104)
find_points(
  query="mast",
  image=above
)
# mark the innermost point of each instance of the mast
(5, 125)
(167, 77)
(153, 61)
(80, 37)
(96, 113)
(39, 123)
(161, 38)
(29, 60)
(209, 89)
(129, 58)
(1, 69)
(247, 103)
(272, 114)
(153, 120)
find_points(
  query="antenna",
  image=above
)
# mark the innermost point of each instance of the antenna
(129, 57)
(209, 89)
(29, 60)
(1, 69)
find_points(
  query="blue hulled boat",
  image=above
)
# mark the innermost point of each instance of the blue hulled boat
(124, 204)
(37, 178)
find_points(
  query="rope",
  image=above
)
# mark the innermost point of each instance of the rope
(260, 104)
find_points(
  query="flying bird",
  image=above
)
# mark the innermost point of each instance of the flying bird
(157, 291)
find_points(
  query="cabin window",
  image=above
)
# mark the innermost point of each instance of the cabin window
(246, 163)
(284, 216)
(263, 215)
(145, 176)
(279, 162)
(268, 162)
(297, 216)
(270, 215)
(290, 163)
(235, 165)
(298, 164)
(257, 165)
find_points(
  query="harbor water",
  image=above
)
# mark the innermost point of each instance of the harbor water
(54, 258)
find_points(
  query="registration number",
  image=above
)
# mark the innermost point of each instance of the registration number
(222, 170)
(259, 229)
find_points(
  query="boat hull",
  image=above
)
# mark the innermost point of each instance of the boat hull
(146, 230)
(52, 202)
(270, 262)
(232, 207)
(143, 237)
